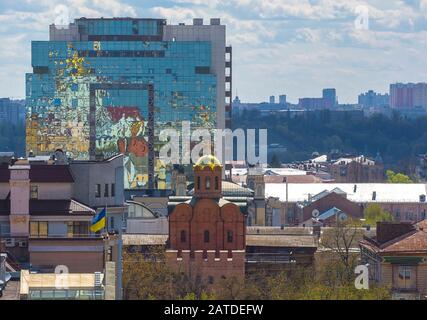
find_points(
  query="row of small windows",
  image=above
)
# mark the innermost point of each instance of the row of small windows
(207, 183)
(106, 190)
(206, 236)
(122, 53)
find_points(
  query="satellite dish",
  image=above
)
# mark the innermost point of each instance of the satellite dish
(315, 213)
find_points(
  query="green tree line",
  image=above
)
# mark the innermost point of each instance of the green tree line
(398, 139)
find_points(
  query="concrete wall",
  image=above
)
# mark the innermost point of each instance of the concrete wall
(88, 174)
(147, 226)
(54, 191)
(226, 264)
(78, 255)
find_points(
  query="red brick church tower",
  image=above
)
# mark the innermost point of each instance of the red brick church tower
(207, 232)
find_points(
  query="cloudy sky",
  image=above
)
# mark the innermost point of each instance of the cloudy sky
(296, 47)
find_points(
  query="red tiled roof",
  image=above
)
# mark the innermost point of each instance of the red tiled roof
(412, 242)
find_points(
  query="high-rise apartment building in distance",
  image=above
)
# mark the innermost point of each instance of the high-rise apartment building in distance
(327, 101)
(12, 111)
(282, 99)
(408, 95)
(272, 99)
(105, 86)
(330, 96)
(371, 99)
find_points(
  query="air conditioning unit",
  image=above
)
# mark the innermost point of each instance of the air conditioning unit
(10, 242)
(23, 244)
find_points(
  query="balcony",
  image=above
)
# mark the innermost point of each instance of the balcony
(67, 236)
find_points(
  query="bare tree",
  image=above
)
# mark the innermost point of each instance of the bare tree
(342, 239)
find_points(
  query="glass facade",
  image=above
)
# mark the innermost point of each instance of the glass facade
(65, 294)
(108, 86)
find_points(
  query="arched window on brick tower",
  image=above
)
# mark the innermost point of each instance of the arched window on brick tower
(208, 174)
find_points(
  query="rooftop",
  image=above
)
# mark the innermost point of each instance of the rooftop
(356, 192)
(51, 208)
(414, 241)
(42, 173)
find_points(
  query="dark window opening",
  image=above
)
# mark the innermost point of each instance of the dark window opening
(113, 189)
(202, 70)
(106, 190)
(198, 183)
(183, 236)
(206, 236)
(216, 183)
(98, 191)
(40, 70)
(229, 236)
(208, 183)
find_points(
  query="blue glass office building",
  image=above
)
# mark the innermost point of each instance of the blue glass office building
(103, 86)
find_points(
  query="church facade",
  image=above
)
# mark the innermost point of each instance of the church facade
(207, 233)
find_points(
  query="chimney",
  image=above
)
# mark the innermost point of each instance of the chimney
(110, 280)
(317, 230)
(387, 231)
(19, 184)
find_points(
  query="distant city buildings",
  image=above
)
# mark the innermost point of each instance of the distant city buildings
(12, 111)
(238, 106)
(330, 95)
(313, 103)
(327, 101)
(371, 99)
(408, 95)
(358, 169)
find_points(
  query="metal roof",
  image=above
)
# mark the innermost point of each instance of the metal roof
(357, 192)
(281, 240)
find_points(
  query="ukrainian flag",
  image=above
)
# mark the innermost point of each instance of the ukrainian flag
(98, 222)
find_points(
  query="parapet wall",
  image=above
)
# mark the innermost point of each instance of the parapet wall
(209, 264)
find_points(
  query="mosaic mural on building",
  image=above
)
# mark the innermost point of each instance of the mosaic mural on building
(58, 99)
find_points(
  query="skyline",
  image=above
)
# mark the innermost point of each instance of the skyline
(294, 47)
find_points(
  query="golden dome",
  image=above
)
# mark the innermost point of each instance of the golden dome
(208, 161)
